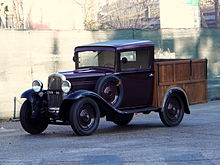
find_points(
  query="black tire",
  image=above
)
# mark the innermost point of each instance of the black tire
(31, 125)
(84, 116)
(173, 111)
(122, 119)
(110, 88)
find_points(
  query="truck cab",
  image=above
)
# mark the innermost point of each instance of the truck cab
(131, 61)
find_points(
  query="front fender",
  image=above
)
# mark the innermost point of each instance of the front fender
(28, 94)
(81, 94)
(105, 107)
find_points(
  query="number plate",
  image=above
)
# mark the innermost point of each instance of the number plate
(53, 92)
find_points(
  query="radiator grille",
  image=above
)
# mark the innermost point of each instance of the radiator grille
(55, 94)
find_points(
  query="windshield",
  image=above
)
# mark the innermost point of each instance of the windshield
(96, 58)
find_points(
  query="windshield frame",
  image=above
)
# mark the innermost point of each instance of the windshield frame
(83, 49)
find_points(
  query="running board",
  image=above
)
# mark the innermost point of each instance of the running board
(141, 110)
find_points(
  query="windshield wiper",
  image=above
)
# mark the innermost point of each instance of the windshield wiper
(98, 54)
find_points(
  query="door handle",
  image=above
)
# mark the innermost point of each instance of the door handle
(151, 75)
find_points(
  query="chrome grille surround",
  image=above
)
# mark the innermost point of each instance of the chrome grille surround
(55, 94)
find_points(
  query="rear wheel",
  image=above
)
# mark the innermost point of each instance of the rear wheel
(173, 111)
(122, 119)
(84, 116)
(32, 125)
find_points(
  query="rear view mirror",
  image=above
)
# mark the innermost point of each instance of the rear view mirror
(74, 58)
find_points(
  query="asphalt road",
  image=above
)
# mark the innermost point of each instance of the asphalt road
(144, 141)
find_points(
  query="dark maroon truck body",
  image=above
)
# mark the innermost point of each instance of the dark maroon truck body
(114, 79)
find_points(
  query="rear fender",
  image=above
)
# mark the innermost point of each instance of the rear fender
(182, 94)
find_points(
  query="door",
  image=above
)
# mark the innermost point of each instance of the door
(137, 78)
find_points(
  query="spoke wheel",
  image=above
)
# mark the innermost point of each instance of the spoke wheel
(173, 111)
(29, 124)
(110, 89)
(110, 92)
(84, 116)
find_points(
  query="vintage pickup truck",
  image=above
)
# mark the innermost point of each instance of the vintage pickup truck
(115, 79)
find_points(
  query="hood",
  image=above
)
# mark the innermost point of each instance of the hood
(86, 72)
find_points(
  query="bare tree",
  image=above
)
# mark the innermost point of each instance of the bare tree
(128, 14)
(5, 15)
(18, 14)
(89, 8)
(119, 14)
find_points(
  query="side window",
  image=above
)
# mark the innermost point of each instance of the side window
(135, 60)
(131, 55)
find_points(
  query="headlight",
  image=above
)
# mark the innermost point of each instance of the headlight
(37, 85)
(66, 86)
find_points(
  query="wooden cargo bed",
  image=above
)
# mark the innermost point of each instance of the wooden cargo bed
(188, 74)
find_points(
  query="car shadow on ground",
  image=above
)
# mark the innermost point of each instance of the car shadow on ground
(103, 130)
(114, 129)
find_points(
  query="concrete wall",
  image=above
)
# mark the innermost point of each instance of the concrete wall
(29, 55)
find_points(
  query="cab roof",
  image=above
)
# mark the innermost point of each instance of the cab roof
(114, 45)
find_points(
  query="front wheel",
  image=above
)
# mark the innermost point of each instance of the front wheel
(84, 116)
(173, 111)
(31, 125)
